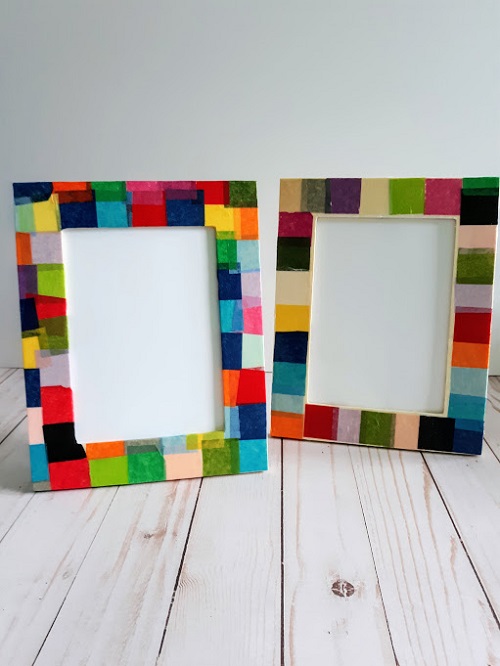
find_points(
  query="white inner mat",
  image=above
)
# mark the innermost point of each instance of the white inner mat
(144, 332)
(380, 313)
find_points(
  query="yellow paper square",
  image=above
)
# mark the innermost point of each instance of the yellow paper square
(193, 442)
(291, 318)
(30, 346)
(46, 214)
(237, 223)
(215, 434)
(219, 217)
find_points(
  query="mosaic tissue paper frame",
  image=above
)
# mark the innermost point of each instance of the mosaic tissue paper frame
(43, 211)
(475, 202)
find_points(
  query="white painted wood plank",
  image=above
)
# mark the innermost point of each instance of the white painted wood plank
(492, 420)
(39, 559)
(437, 611)
(15, 479)
(227, 609)
(470, 487)
(6, 372)
(326, 549)
(12, 403)
(116, 610)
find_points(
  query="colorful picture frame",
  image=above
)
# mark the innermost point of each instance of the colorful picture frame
(475, 202)
(43, 211)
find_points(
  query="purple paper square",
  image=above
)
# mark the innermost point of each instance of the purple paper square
(345, 195)
(28, 280)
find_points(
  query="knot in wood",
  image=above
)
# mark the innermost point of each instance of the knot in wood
(342, 588)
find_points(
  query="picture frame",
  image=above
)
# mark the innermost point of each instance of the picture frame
(43, 210)
(473, 203)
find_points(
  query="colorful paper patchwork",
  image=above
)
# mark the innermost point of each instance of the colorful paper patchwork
(474, 202)
(43, 211)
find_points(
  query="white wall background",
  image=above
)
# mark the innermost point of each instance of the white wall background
(156, 89)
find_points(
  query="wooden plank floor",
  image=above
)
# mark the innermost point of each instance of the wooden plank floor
(337, 555)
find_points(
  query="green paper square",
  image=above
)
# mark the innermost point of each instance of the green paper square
(376, 428)
(109, 190)
(227, 257)
(313, 195)
(135, 446)
(51, 280)
(406, 196)
(242, 194)
(109, 471)
(475, 267)
(212, 443)
(43, 340)
(146, 467)
(142, 448)
(480, 186)
(56, 330)
(225, 460)
(25, 218)
(225, 235)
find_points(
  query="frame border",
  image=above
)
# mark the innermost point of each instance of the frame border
(474, 201)
(43, 210)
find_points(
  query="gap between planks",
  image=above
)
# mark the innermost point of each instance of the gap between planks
(229, 592)
(424, 569)
(6, 372)
(333, 608)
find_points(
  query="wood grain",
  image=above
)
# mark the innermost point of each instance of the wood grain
(12, 403)
(333, 607)
(492, 420)
(475, 513)
(391, 553)
(39, 559)
(436, 608)
(6, 372)
(115, 612)
(227, 609)
(15, 479)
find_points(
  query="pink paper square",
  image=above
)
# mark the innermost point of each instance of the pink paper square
(252, 319)
(57, 373)
(143, 185)
(251, 302)
(149, 198)
(35, 422)
(442, 196)
(46, 248)
(250, 284)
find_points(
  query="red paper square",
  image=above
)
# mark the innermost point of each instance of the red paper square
(149, 216)
(216, 192)
(69, 474)
(50, 306)
(57, 404)
(251, 387)
(321, 422)
(472, 327)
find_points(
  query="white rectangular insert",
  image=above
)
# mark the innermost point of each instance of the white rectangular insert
(144, 332)
(380, 313)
